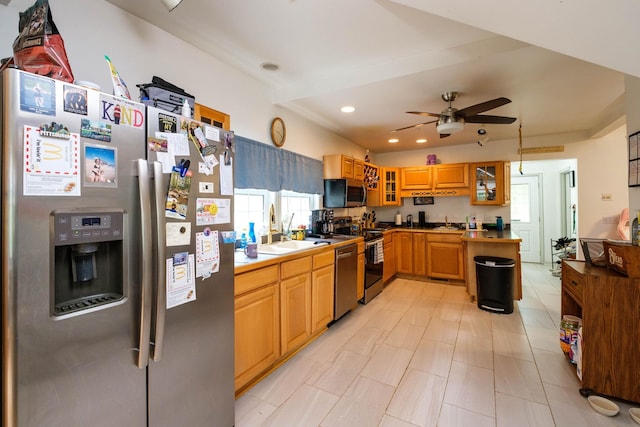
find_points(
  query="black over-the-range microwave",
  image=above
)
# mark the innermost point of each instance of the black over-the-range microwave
(344, 193)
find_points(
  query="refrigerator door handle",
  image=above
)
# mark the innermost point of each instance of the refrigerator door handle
(147, 263)
(161, 252)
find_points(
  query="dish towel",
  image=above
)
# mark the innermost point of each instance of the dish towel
(378, 252)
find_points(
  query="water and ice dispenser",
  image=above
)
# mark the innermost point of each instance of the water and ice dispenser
(88, 261)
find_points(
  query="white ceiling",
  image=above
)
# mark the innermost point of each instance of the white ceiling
(386, 57)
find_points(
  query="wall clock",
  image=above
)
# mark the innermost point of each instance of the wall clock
(278, 132)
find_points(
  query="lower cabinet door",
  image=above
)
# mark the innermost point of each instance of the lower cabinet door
(295, 311)
(322, 287)
(445, 260)
(257, 332)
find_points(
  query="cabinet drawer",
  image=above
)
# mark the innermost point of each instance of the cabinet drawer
(445, 237)
(572, 282)
(255, 279)
(296, 266)
(323, 259)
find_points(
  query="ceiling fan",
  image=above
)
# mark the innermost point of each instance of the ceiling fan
(452, 120)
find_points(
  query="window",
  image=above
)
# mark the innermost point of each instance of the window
(252, 205)
(299, 205)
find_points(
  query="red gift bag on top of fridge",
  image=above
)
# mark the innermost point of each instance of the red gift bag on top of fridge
(39, 47)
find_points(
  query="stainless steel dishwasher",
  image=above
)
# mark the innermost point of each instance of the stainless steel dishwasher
(346, 279)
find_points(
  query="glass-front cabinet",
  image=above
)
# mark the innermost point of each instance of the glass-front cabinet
(490, 183)
(390, 187)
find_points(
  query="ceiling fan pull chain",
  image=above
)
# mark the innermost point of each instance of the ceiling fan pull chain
(520, 139)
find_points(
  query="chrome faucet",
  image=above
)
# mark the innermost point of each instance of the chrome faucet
(446, 222)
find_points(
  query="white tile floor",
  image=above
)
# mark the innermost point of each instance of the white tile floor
(421, 355)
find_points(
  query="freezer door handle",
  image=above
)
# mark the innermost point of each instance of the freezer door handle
(147, 263)
(161, 284)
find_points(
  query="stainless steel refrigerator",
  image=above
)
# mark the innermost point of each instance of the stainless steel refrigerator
(117, 283)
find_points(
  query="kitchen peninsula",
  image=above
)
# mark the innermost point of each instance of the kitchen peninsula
(504, 244)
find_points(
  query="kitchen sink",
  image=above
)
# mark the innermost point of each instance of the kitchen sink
(447, 227)
(279, 248)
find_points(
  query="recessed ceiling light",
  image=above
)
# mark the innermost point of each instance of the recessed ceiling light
(348, 109)
(421, 141)
(269, 66)
(393, 140)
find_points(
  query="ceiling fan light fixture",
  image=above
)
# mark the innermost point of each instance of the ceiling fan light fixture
(450, 127)
(171, 4)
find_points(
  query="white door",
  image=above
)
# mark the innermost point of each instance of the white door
(525, 215)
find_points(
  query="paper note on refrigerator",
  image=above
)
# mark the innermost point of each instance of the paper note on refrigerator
(226, 176)
(51, 165)
(213, 211)
(207, 253)
(181, 287)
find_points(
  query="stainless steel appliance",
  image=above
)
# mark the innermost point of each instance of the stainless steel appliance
(410, 221)
(117, 306)
(321, 223)
(344, 193)
(346, 275)
(374, 263)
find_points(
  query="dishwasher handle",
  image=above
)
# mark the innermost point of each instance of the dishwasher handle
(344, 254)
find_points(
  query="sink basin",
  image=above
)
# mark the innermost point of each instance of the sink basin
(444, 227)
(286, 247)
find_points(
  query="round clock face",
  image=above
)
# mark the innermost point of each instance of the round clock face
(278, 132)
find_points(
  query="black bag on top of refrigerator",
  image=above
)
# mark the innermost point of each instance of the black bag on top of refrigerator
(162, 94)
(39, 47)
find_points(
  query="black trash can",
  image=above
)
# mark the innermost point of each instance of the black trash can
(494, 279)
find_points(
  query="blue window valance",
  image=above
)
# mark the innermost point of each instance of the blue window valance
(262, 166)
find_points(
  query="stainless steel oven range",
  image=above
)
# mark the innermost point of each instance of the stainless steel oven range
(374, 262)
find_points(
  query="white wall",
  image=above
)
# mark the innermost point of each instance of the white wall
(94, 28)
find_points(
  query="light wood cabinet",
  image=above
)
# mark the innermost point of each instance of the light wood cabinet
(416, 178)
(360, 274)
(388, 192)
(404, 252)
(338, 166)
(257, 323)
(445, 256)
(358, 170)
(295, 303)
(489, 185)
(454, 175)
(389, 266)
(211, 117)
(322, 289)
(607, 303)
(419, 249)
(391, 195)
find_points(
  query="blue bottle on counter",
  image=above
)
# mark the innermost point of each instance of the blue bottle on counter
(499, 223)
(243, 241)
(252, 233)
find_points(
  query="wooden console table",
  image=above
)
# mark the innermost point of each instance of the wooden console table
(609, 305)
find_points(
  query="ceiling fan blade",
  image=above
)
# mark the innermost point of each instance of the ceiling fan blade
(414, 126)
(423, 113)
(500, 120)
(482, 107)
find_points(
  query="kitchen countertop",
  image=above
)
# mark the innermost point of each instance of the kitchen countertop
(243, 263)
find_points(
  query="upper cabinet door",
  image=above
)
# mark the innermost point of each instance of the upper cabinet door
(211, 116)
(416, 178)
(455, 175)
(488, 183)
